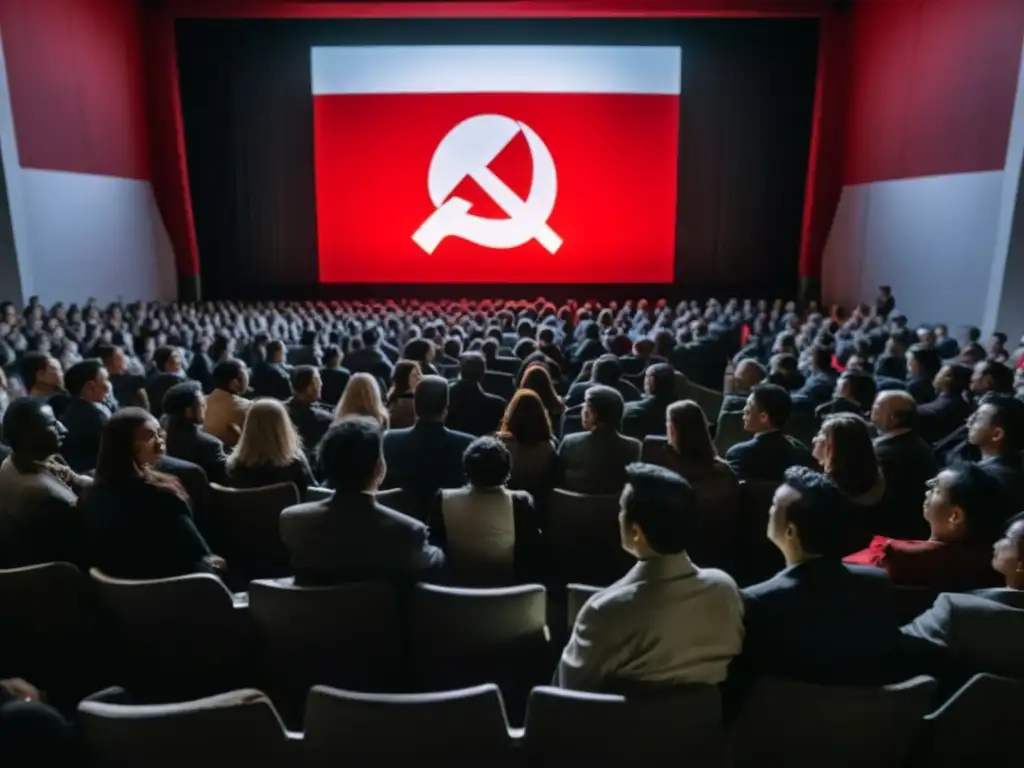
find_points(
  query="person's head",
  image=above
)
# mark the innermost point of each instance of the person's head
(132, 441)
(964, 502)
(362, 398)
(857, 387)
(767, 409)
(923, 361)
(185, 402)
(421, 350)
(997, 426)
(1008, 553)
(526, 419)
(41, 371)
(113, 357)
(991, 376)
(88, 380)
(231, 375)
(307, 385)
(405, 378)
(538, 379)
(167, 359)
(602, 407)
(430, 400)
(275, 352)
(268, 437)
(351, 455)
(472, 367)
(808, 516)
(660, 381)
(821, 358)
(31, 430)
(332, 356)
(845, 452)
(688, 433)
(894, 410)
(749, 373)
(953, 379)
(657, 512)
(607, 370)
(487, 463)
(370, 337)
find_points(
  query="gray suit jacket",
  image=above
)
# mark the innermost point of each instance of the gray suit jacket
(595, 461)
(666, 622)
(982, 631)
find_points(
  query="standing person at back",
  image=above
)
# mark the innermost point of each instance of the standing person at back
(594, 461)
(770, 453)
(426, 456)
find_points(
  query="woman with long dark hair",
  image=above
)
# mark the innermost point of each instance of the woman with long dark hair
(404, 378)
(538, 379)
(526, 432)
(137, 521)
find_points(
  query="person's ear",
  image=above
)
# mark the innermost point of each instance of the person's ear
(956, 516)
(998, 434)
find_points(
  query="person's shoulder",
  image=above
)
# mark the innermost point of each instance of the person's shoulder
(396, 435)
(718, 579)
(631, 442)
(304, 510)
(740, 448)
(400, 519)
(463, 438)
(572, 440)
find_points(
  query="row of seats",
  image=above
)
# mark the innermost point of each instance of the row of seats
(781, 724)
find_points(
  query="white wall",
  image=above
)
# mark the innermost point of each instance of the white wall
(931, 238)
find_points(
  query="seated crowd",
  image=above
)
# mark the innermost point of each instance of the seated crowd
(888, 459)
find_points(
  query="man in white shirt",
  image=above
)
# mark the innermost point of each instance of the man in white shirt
(666, 622)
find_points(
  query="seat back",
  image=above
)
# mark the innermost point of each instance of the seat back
(318, 493)
(971, 728)
(681, 726)
(347, 635)
(175, 638)
(402, 501)
(583, 539)
(49, 625)
(236, 728)
(572, 421)
(758, 559)
(576, 595)
(467, 727)
(499, 383)
(247, 522)
(839, 726)
(730, 431)
(709, 400)
(802, 425)
(463, 637)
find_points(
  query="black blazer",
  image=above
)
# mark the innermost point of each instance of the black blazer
(577, 392)
(942, 417)
(156, 388)
(424, 458)
(767, 456)
(350, 537)
(297, 472)
(191, 442)
(311, 422)
(907, 463)
(133, 530)
(921, 389)
(334, 382)
(817, 389)
(372, 361)
(85, 422)
(820, 622)
(1008, 470)
(271, 380)
(646, 417)
(473, 411)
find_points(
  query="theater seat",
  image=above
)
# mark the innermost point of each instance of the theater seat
(758, 558)
(838, 726)
(402, 501)
(457, 729)
(176, 638)
(730, 431)
(246, 522)
(583, 539)
(680, 726)
(348, 635)
(575, 597)
(463, 637)
(240, 728)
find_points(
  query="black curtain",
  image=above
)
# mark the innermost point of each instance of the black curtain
(746, 109)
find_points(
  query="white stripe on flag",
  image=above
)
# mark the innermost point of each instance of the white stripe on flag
(496, 69)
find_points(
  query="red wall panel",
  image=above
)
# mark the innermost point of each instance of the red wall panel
(74, 69)
(932, 85)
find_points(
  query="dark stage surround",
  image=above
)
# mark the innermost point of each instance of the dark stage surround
(746, 109)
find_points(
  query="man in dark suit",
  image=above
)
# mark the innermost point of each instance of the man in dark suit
(607, 370)
(86, 415)
(818, 620)
(333, 377)
(820, 383)
(907, 463)
(371, 358)
(595, 461)
(590, 348)
(350, 537)
(949, 410)
(310, 418)
(980, 631)
(770, 453)
(426, 456)
(997, 430)
(855, 393)
(748, 374)
(307, 352)
(470, 409)
(169, 371)
(647, 416)
(271, 377)
(185, 409)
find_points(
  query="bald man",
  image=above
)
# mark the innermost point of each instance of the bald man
(907, 462)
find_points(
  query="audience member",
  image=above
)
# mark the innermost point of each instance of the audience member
(32, 732)
(334, 377)
(137, 522)
(270, 377)
(371, 359)
(647, 415)
(770, 453)
(225, 407)
(351, 537)
(168, 372)
(821, 382)
(923, 365)
(947, 412)
(269, 450)
(470, 409)
(594, 461)
(748, 374)
(855, 393)
(537, 379)
(607, 371)
(666, 622)
(362, 398)
(184, 413)
(404, 378)
(304, 409)
(86, 415)
(129, 389)
(997, 430)
(43, 377)
(526, 431)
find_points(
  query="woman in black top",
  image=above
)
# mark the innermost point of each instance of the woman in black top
(269, 450)
(137, 522)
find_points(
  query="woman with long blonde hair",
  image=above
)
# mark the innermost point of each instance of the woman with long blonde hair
(362, 398)
(269, 450)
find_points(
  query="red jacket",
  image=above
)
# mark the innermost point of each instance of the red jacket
(948, 567)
